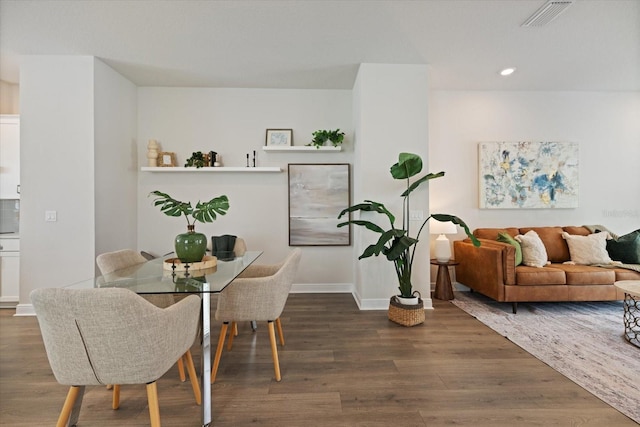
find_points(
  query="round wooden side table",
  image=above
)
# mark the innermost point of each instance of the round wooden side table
(444, 290)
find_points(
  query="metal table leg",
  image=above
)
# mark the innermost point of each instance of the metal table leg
(205, 381)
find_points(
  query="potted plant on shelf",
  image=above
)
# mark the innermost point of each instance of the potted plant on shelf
(396, 243)
(191, 246)
(320, 137)
(197, 159)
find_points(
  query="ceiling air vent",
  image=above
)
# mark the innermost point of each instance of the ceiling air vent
(547, 13)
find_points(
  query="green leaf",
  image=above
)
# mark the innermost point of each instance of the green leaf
(369, 206)
(170, 206)
(408, 165)
(458, 221)
(206, 212)
(379, 246)
(420, 181)
(399, 247)
(368, 224)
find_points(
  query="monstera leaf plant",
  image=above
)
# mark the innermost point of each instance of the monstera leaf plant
(396, 242)
(203, 212)
(191, 246)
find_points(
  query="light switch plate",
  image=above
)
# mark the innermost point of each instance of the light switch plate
(416, 215)
(50, 216)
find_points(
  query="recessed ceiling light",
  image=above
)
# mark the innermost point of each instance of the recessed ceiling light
(507, 71)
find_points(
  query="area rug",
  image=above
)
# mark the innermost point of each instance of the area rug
(581, 340)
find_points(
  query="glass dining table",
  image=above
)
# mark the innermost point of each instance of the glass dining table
(161, 276)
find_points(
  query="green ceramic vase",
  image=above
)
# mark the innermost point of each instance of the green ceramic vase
(190, 246)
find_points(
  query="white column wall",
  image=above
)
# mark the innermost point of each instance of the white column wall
(391, 116)
(116, 161)
(57, 169)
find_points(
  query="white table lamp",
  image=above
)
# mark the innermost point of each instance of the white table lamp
(442, 250)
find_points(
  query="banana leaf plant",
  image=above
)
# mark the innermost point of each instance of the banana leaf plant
(396, 243)
(203, 212)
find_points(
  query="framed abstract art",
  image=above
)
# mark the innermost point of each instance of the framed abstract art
(528, 175)
(317, 194)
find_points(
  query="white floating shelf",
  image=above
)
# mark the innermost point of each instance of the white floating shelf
(210, 169)
(301, 148)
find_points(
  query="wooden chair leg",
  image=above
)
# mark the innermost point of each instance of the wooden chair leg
(216, 359)
(193, 377)
(115, 402)
(232, 332)
(154, 407)
(109, 386)
(67, 407)
(274, 350)
(183, 377)
(280, 334)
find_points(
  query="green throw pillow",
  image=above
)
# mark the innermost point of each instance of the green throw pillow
(626, 249)
(505, 237)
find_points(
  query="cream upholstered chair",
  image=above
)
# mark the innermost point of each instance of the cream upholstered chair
(117, 260)
(110, 263)
(111, 336)
(259, 293)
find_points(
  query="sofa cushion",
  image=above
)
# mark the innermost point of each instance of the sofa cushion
(586, 275)
(579, 231)
(557, 249)
(626, 248)
(626, 274)
(532, 276)
(507, 238)
(588, 250)
(492, 233)
(534, 253)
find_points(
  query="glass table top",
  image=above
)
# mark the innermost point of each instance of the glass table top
(153, 277)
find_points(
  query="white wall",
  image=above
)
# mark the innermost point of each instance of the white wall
(56, 174)
(232, 122)
(70, 103)
(9, 98)
(390, 109)
(605, 125)
(116, 160)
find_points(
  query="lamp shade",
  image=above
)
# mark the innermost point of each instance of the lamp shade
(438, 227)
(442, 248)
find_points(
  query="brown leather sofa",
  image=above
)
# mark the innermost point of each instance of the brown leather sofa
(490, 269)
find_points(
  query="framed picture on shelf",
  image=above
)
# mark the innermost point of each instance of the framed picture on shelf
(167, 159)
(317, 195)
(279, 137)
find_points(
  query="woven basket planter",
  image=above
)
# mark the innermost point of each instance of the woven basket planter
(406, 315)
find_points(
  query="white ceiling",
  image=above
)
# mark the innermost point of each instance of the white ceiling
(593, 45)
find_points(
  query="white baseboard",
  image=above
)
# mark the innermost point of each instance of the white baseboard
(301, 288)
(25, 310)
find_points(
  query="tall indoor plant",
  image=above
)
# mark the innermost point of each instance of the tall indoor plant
(191, 246)
(396, 243)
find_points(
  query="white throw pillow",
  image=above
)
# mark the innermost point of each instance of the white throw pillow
(534, 254)
(587, 250)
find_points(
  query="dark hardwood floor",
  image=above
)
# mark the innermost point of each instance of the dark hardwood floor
(340, 367)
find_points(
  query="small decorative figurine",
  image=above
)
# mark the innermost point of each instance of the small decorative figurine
(152, 153)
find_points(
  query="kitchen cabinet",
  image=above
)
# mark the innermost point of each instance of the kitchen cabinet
(9, 157)
(9, 271)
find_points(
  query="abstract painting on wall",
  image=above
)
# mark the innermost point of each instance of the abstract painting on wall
(528, 175)
(317, 194)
